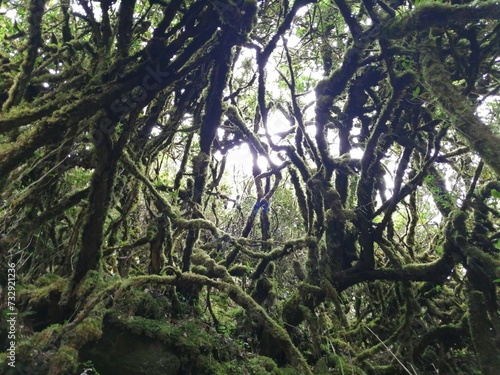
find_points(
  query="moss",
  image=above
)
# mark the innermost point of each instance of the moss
(186, 336)
(37, 350)
(479, 137)
(334, 364)
(321, 367)
(199, 350)
(482, 334)
(90, 329)
(294, 311)
(64, 361)
(137, 302)
(43, 289)
(92, 281)
(308, 289)
(263, 290)
(39, 340)
(4, 366)
(238, 270)
(426, 15)
(263, 363)
(48, 279)
(201, 270)
(487, 263)
(288, 371)
(256, 365)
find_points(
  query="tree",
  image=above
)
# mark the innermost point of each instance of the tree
(358, 232)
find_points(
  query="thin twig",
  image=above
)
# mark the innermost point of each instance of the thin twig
(390, 351)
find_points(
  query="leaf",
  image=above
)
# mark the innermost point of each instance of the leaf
(496, 281)
(174, 194)
(495, 193)
(497, 245)
(416, 91)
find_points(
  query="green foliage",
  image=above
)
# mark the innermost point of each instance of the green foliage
(440, 250)
(495, 193)
(497, 245)
(89, 366)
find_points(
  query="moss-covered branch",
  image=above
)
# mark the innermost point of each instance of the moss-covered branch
(18, 89)
(482, 334)
(438, 14)
(479, 137)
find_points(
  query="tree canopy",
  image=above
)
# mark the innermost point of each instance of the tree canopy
(272, 186)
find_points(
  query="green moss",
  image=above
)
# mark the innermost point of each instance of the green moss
(185, 336)
(90, 329)
(198, 349)
(40, 340)
(262, 363)
(483, 261)
(238, 270)
(201, 270)
(44, 287)
(256, 365)
(64, 361)
(48, 279)
(4, 366)
(35, 352)
(482, 337)
(92, 281)
(293, 309)
(137, 302)
(288, 371)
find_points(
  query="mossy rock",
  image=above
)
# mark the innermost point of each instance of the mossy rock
(137, 346)
(122, 352)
